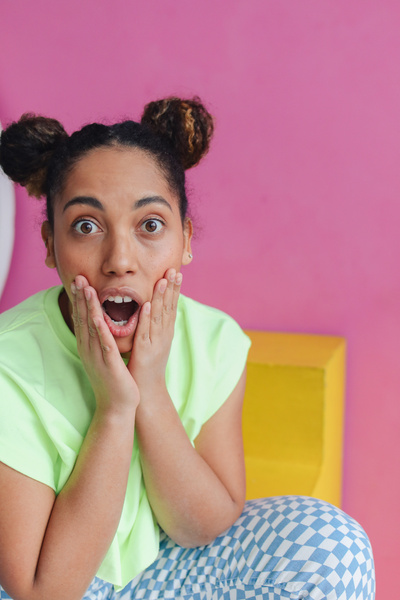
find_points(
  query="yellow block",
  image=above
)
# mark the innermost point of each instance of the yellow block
(293, 415)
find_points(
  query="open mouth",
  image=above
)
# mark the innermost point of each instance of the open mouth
(120, 309)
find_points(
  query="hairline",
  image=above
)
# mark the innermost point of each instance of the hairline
(117, 145)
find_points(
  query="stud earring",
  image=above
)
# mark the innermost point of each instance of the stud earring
(190, 255)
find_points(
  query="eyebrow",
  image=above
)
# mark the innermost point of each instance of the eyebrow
(88, 200)
(151, 200)
(94, 203)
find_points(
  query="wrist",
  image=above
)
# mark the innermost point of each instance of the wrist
(153, 389)
(115, 412)
(154, 399)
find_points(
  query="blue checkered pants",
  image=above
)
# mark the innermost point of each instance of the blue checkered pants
(289, 547)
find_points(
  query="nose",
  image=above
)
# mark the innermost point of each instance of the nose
(120, 256)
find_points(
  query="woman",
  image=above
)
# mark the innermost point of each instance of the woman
(121, 399)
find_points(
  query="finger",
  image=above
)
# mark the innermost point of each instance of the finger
(94, 312)
(172, 292)
(101, 339)
(75, 318)
(80, 315)
(143, 327)
(141, 340)
(82, 281)
(92, 303)
(170, 276)
(157, 307)
(73, 303)
(177, 291)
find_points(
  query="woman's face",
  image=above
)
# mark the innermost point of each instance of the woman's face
(117, 222)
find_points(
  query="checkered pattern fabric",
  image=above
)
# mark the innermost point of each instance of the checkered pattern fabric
(288, 547)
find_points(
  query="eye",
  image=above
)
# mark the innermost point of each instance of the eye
(85, 226)
(152, 226)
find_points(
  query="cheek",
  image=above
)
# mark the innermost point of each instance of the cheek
(72, 262)
(65, 268)
(158, 263)
(174, 252)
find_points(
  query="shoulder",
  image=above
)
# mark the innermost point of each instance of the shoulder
(39, 373)
(209, 322)
(26, 312)
(208, 355)
(209, 335)
(27, 332)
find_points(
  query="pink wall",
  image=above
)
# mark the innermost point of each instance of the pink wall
(298, 201)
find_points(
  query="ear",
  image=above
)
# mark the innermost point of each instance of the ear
(48, 238)
(187, 238)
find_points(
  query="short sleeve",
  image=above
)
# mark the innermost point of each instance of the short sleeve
(207, 358)
(24, 444)
(232, 346)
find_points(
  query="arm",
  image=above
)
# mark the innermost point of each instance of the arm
(196, 493)
(52, 547)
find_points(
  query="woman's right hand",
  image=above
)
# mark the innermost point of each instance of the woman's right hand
(72, 531)
(112, 383)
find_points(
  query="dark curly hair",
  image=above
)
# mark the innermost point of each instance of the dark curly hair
(36, 151)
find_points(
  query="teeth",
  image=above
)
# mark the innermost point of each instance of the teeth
(119, 323)
(119, 299)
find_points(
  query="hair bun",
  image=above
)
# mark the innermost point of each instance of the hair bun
(26, 148)
(185, 123)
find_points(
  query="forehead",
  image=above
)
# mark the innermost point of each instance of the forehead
(116, 170)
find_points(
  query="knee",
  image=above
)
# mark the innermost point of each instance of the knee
(351, 560)
(331, 550)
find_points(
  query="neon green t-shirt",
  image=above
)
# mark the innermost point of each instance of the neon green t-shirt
(47, 403)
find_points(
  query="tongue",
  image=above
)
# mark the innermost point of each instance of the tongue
(120, 312)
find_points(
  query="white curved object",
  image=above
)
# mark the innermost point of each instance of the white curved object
(7, 225)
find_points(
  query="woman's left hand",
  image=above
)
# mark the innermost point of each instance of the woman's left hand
(154, 334)
(195, 492)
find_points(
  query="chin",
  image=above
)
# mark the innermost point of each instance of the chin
(124, 345)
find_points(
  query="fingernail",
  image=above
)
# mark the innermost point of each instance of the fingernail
(172, 276)
(146, 308)
(163, 287)
(73, 288)
(87, 293)
(178, 279)
(78, 284)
